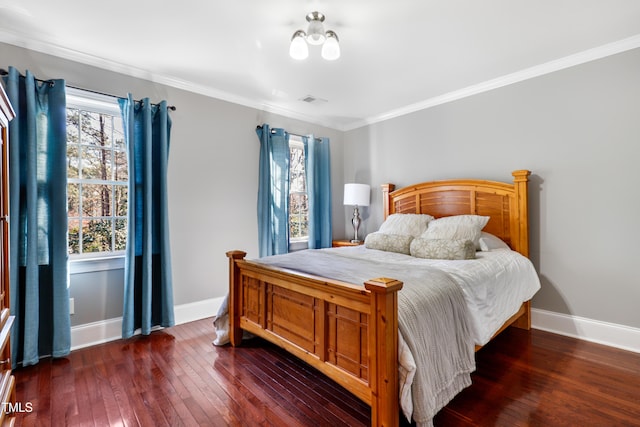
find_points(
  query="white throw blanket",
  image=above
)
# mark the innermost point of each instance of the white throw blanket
(436, 362)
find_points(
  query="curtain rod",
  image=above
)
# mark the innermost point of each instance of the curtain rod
(4, 72)
(272, 130)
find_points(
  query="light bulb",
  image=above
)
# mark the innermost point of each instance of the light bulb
(331, 47)
(298, 48)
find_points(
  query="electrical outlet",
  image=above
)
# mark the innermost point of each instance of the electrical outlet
(72, 309)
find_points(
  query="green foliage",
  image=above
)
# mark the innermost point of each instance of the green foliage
(97, 235)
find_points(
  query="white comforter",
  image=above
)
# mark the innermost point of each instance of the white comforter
(495, 284)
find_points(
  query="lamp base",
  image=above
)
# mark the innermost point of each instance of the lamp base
(356, 241)
(356, 224)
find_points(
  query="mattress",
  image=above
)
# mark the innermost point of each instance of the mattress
(494, 285)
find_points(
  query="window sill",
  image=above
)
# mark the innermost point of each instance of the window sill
(92, 265)
(298, 245)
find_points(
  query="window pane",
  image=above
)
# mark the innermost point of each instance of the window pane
(297, 178)
(74, 236)
(121, 200)
(96, 236)
(96, 200)
(73, 161)
(88, 125)
(118, 136)
(121, 171)
(73, 131)
(121, 234)
(73, 200)
(106, 130)
(96, 163)
(298, 215)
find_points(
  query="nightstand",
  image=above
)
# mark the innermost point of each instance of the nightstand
(339, 243)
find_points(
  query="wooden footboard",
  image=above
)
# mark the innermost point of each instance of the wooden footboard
(348, 332)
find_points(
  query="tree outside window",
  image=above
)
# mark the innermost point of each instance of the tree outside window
(97, 182)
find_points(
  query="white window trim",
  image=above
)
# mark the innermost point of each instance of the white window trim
(79, 264)
(77, 98)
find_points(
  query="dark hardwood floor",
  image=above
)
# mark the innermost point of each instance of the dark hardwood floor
(177, 377)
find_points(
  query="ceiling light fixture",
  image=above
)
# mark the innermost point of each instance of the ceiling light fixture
(316, 36)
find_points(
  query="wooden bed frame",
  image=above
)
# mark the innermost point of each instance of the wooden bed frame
(350, 332)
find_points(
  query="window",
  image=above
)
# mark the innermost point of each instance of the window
(97, 175)
(298, 199)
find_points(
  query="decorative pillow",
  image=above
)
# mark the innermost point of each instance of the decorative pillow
(408, 224)
(489, 242)
(457, 227)
(389, 242)
(442, 248)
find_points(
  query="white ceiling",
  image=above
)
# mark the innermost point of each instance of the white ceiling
(397, 56)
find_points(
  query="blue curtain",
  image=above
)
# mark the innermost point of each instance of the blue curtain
(148, 291)
(273, 191)
(318, 172)
(38, 211)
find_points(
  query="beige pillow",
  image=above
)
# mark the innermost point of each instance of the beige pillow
(457, 227)
(408, 224)
(442, 248)
(389, 242)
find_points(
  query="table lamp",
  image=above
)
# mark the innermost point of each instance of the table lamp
(356, 195)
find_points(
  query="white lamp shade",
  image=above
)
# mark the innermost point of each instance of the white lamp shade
(356, 194)
(331, 47)
(298, 48)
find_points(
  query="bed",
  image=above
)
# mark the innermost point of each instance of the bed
(348, 331)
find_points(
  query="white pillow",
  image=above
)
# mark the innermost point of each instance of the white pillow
(489, 242)
(406, 224)
(457, 227)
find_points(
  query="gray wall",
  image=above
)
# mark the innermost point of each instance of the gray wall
(578, 131)
(212, 181)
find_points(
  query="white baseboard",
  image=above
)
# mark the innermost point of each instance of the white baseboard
(193, 311)
(96, 333)
(111, 329)
(611, 334)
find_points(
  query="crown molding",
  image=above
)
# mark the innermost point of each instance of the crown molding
(519, 76)
(509, 79)
(47, 48)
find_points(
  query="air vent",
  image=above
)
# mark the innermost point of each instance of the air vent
(310, 99)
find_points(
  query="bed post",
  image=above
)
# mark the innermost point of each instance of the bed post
(235, 294)
(520, 184)
(520, 181)
(383, 351)
(386, 205)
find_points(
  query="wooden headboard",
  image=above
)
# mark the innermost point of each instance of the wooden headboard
(505, 203)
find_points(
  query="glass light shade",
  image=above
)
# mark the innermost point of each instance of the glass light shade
(356, 194)
(298, 48)
(315, 32)
(331, 47)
